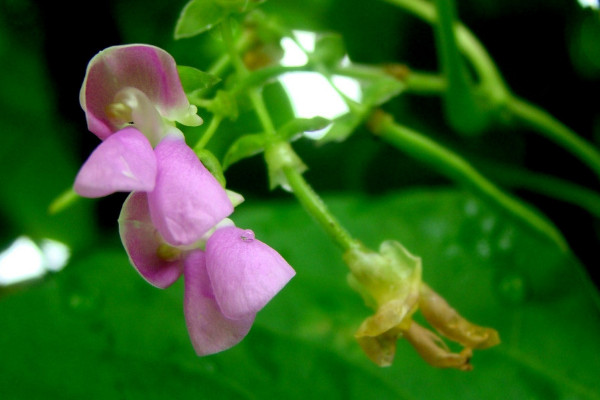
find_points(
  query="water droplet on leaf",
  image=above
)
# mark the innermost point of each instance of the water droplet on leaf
(483, 248)
(487, 224)
(471, 208)
(511, 287)
(505, 242)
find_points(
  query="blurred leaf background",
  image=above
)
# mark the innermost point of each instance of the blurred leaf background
(97, 330)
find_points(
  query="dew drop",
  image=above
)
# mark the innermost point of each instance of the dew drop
(247, 235)
(505, 242)
(452, 251)
(483, 248)
(471, 208)
(81, 303)
(488, 224)
(512, 287)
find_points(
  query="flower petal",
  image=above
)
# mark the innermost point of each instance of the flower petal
(146, 250)
(124, 162)
(187, 200)
(141, 113)
(147, 68)
(245, 273)
(210, 331)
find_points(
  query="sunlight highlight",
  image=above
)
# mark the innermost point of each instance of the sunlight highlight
(25, 260)
(310, 93)
(589, 3)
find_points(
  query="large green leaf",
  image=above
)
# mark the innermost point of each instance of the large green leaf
(96, 330)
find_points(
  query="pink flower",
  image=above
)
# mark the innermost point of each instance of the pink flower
(225, 285)
(132, 97)
(136, 84)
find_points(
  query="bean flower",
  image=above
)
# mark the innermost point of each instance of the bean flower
(225, 285)
(132, 98)
(174, 221)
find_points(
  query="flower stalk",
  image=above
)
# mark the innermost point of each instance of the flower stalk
(458, 169)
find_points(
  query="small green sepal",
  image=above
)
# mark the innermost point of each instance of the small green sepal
(193, 79)
(279, 155)
(212, 164)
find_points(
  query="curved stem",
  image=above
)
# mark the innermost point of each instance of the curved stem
(210, 131)
(543, 122)
(544, 184)
(230, 47)
(63, 201)
(311, 202)
(456, 168)
(317, 209)
(491, 79)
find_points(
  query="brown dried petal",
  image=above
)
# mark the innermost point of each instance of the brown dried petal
(452, 325)
(382, 348)
(434, 351)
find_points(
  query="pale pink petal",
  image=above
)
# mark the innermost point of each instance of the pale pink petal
(245, 273)
(122, 163)
(147, 68)
(143, 115)
(143, 244)
(187, 200)
(210, 331)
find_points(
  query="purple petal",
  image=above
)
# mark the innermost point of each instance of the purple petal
(187, 200)
(147, 68)
(146, 250)
(245, 273)
(122, 163)
(210, 331)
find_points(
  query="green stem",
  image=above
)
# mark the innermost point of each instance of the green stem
(425, 83)
(540, 120)
(264, 75)
(210, 131)
(416, 81)
(491, 79)
(544, 184)
(253, 93)
(196, 99)
(301, 189)
(456, 168)
(234, 55)
(261, 111)
(63, 201)
(313, 204)
(462, 108)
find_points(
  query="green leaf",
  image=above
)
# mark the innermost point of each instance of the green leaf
(198, 16)
(97, 330)
(381, 90)
(245, 146)
(343, 126)
(299, 125)
(193, 79)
